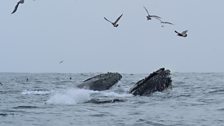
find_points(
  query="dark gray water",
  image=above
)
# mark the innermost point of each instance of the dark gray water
(197, 99)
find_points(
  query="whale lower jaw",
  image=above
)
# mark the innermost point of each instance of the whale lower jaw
(156, 81)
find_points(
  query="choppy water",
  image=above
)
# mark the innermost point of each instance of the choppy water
(197, 99)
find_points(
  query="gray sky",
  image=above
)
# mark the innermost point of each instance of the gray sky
(44, 32)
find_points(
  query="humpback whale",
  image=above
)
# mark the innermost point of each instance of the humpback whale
(156, 81)
(101, 82)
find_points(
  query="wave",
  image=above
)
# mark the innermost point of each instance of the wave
(25, 107)
(36, 92)
(3, 114)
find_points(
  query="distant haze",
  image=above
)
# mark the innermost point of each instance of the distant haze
(44, 32)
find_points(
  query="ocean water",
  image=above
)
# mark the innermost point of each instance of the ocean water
(52, 99)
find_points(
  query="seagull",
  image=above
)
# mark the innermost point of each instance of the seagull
(115, 24)
(165, 22)
(61, 62)
(182, 34)
(17, 5)
(149, 17)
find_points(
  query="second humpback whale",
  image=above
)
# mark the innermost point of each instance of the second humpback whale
(156, 81)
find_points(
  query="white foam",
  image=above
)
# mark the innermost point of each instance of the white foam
(70, 97)
(28, 92)
(114, 94)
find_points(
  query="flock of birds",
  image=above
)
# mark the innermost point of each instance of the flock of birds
(115, 23)
(149, 17)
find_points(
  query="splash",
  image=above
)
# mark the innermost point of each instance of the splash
(114, 94)
(70, 97)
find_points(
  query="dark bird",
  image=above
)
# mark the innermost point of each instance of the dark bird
(182, 34)
(61, 62)
(149, 17)
(17, 5)
(115, 24)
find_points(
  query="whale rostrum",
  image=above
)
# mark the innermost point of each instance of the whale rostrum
(101, 82)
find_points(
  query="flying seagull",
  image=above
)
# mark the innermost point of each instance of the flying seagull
(61, 62)
(165, 22)
(182, 34)
(115, 24)
(17, 5)
(149, 17)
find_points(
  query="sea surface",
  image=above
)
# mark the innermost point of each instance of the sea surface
(52, 99)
